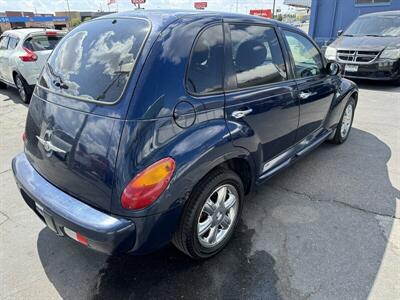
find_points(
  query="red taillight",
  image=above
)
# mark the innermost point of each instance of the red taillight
(24, 138)
(51, 33)
(148, 185)
(29, 56)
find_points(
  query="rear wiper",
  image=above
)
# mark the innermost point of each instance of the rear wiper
(57, 82)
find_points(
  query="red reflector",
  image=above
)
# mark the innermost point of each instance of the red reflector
(81, 239)
(24, 138)
(148, 185)
(76, 236)
(29, 56)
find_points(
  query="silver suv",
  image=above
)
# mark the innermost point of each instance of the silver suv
(23, 53)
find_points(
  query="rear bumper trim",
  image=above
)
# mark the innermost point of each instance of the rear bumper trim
(109, 234)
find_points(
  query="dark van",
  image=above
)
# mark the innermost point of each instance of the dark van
(152, 126)
(369, 48)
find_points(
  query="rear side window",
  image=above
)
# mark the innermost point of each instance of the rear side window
(41, 42)
(94, 61)
(257, 56)
(12, 44)
(205, 74)
(3, 42)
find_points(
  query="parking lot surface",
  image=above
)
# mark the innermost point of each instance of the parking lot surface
(326, 228)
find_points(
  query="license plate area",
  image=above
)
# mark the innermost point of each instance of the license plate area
(351, 68)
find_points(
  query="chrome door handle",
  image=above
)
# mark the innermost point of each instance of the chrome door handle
(237, 114)
(304, 95)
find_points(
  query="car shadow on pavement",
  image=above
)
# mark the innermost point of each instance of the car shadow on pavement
(381, 86)
(313, 230)
(12, 95)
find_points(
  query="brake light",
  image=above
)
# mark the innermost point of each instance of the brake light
(24, 137)
(29, 56)
(148, 185)
(52, 33)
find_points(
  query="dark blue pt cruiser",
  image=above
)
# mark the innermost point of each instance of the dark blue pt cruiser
(152, 126)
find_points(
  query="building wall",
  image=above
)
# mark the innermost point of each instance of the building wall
(330, 16)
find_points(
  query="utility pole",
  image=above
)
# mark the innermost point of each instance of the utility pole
(273, 10)
(69, 14)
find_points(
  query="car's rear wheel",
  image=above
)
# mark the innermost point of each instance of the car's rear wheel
(24, 90)
(211, 215)
(345, 124)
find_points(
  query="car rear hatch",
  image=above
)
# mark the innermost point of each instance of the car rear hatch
(78, 108)
(42, 43)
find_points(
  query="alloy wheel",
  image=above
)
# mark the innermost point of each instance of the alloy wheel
(218, 215)
(20, 88)
(346, 121)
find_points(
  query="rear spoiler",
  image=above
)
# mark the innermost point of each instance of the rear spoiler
(49, 32)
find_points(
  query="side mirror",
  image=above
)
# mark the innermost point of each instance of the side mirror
(340, 32)
(333, 68)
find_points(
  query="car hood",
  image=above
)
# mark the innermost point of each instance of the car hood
(365, 42)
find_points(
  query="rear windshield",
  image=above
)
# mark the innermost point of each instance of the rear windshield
(41, 42)
(94, 61)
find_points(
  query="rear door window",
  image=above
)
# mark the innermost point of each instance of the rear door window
(205, 74)
(41, 42)
(257, 56)
(94, 61)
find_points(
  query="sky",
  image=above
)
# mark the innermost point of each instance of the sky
(49, 6)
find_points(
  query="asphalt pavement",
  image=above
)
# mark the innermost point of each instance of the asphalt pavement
(326, 228)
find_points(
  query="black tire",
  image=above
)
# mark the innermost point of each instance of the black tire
(3, 85)
(186, 237)
(339, 137)
(24, 90)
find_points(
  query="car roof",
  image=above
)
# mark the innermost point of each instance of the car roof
(169, 15)
(395, 13)
(22, 32)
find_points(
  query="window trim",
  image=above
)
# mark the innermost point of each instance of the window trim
(130, 74)
(265, 85)
(292, 63)
(373, 3)
(190, 61)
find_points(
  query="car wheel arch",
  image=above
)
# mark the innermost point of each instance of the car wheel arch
(240, 161)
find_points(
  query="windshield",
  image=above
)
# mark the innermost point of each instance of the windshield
(94, 61)
(375, 26)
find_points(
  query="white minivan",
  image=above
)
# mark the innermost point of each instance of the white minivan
(23, 53)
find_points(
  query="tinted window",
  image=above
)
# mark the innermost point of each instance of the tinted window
(41, 42)
(205, 70)
(13, 43)
(307, 59)
(3, 42)
(94, 61)
(257, 56)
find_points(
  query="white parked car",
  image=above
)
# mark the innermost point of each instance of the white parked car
(23, 53)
